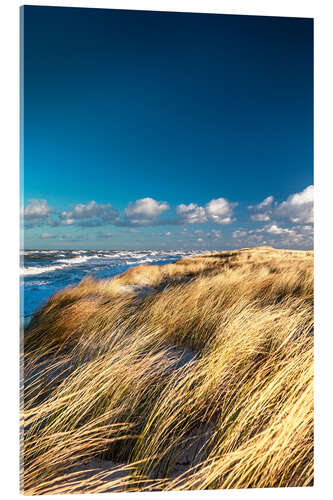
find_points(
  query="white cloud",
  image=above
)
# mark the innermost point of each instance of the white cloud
(46, 236)
(298, 207)
(220, 211)
(146, 208)
(143, 212)
(91, 214)
(267, 202)
(191, 214)
(265, 217)
(200, 240)
(297, 236)
(168, 233)
(36, 210)
(274, 229)
(261, 212)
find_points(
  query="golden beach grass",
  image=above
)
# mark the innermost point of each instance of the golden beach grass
(192, 375)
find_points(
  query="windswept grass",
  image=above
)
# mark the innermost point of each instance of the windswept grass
(192, 375)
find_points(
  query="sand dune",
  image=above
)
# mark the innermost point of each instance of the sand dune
(192, 375)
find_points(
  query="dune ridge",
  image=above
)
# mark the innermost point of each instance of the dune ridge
(191, 375)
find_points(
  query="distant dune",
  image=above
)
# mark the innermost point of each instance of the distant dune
(191, 375)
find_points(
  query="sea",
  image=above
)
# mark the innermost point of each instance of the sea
(45, 272)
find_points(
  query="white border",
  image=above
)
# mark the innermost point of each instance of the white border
(294, 8)
(9, 33)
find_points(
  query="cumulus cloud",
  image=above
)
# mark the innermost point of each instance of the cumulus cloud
(91, 214)
(35, 212)
(146, 207)
(143, 212)
(191, 214)
(274, 229)
(265, 217)
(298, 208)
(261, 212)
(45, 236)
(218, 211)
(290, 222)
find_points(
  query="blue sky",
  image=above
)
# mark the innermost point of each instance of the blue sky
(166, 130)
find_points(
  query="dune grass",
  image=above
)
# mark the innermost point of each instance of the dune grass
(192, 375)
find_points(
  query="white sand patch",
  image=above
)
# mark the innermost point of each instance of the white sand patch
(140, 290)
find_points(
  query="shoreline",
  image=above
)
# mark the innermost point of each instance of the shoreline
(66, 270)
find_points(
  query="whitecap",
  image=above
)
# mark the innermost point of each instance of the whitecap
(60, 264)
(30, 271)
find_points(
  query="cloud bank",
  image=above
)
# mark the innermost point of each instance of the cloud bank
(288, 223)
(143, 212)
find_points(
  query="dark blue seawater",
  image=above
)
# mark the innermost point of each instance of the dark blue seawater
(44, 272)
